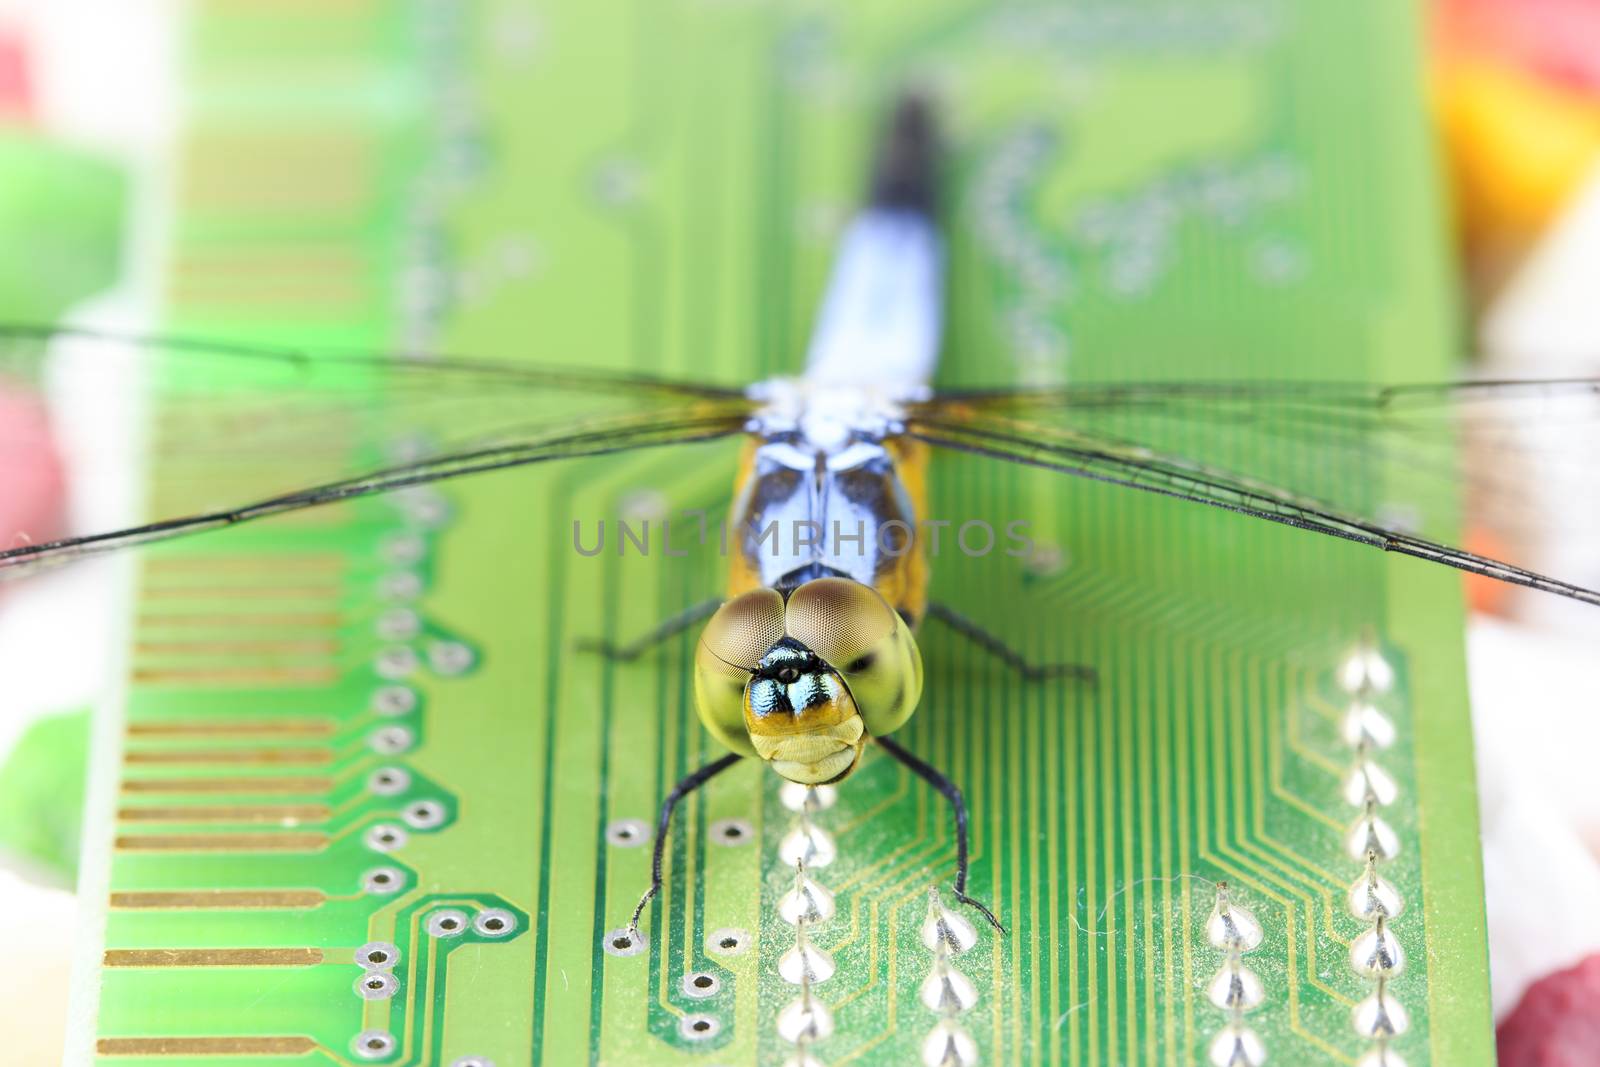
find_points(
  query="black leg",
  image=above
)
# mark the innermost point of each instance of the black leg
(664, 821)
(997, 648)
(952, 793)
(670, 628)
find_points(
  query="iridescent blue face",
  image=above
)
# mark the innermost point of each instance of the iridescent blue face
(791, 681)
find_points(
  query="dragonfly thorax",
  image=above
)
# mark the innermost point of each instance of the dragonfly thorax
(823, 486)
(829, 416)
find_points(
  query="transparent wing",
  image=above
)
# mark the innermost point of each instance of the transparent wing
(244, 431)
(1404, 468)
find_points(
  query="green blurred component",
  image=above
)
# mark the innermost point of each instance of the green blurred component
(41, 795)
(60, 219)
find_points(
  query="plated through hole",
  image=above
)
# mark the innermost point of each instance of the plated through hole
(388, 781)
(624, 942)
(628, 833)
(373, 1044)
(424, 814)
(701, 984)
(699, 1027)
(382, 880)
(385, 837)
(447, 922)
(495, 922)
(728, 941)
(380, 955)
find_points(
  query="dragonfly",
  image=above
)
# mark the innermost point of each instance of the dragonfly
(812, 655)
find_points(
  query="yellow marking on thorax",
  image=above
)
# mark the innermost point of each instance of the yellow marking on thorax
(741, 576)
(905, 585)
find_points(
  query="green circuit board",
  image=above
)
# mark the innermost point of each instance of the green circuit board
(345, 729)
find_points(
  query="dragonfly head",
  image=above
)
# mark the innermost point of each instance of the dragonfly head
(804, 680)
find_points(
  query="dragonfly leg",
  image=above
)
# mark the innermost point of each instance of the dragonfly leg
(672, 627)
(1003, 652)
(689, 784)
(958, 806)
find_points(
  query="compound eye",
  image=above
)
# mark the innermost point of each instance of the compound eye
(838, 619)
(745, 628)
(731, 646)
(858, 634)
